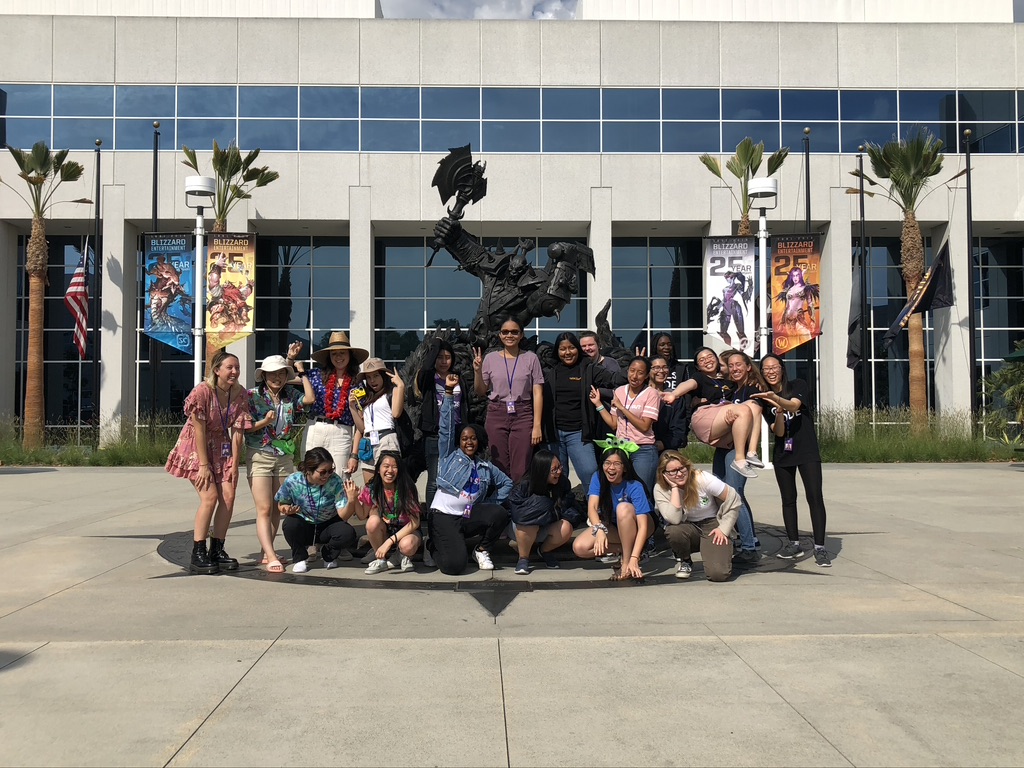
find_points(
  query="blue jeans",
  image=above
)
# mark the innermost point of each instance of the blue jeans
(645, 462)
(745, 520)
(570, 445)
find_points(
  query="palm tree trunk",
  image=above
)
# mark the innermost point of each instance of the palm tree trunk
(219, 226)
(912, 260)
(34, 411)
(744, 228)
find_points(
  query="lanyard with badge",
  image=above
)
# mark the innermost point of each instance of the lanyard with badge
(314, 505)
(225, 420)
(510, 404)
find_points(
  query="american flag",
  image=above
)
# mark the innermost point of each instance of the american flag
(77, 301)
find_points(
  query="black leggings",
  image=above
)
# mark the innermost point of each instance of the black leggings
(810, 474)
(333, 535)
(448, 534)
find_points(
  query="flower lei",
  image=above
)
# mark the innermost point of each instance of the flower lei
(335, 404)
(612, 442)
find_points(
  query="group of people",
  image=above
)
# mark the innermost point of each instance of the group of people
(623, 432)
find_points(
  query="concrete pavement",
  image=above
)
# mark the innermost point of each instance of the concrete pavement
(908, 651)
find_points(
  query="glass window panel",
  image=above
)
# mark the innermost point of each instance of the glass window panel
(399, 282)
(632, 137)
(83, 100)
(200, 134)
(1007, 313)
(631, 104)
(272, 342)
(810, 105)
(330, 313)
(401, 252)
(444, 282)
(442, 136)
(391, 136)
(269, 135)
(82, 132)
(329, 135)
(750, 104)
(23, 132)
(856, 134)
(629, 252)
(690, 104)
(268, 101)
(206, 101)
(138, 134)
(331, 252)
(627, 282)
(989, 137)
(511, 137)
(572, 137)
(691, 137)
(278, 314)
(572, 104)
(734, 133)
(450, 103)
(446, 311)
(395, 346)
(151, 101)
(511, 103)
(923, 106)
(400, 313)
(824, 136)
(629, 313)
(328, 101)
(27, 100)
(328, 283)
(868, 106)
(666, 283)
(987, 106)
(390, 102)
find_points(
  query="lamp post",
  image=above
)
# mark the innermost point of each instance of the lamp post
(199, 193)
(761, 192)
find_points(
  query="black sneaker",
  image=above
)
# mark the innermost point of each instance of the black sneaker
(746, 557)
(821, 558)
(550, 561)
(523, 566)
(791, 551)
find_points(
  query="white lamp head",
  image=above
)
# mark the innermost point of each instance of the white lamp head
(762, 189)
(199, 191)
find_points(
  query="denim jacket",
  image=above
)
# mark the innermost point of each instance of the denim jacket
(454, 467)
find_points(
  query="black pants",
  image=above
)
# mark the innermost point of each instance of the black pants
(430, 453)
(448, 534)
(334, 535)
(810, 474)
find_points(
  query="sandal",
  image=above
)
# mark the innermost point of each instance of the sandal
(274, 566)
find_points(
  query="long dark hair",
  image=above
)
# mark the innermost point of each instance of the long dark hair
(385, 391)
(783, 378)
(754, 379)
(407, 500)
(314, 458)
(572, 339)
(540, 472)
(605, 505)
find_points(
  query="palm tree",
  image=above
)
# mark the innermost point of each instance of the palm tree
(908, 165)
(236, 178)
(743, 165)
(43, 171)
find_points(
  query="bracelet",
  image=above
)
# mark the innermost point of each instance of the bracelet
(636, 556)
(292, 359)
(302, 373)
(599, 408)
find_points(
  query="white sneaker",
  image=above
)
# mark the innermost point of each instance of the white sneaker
(333, 564)
(754, 461)
(483, 560)
(683, 569)
(406, 565)
(300, 567)
(610, 559)
(377, 566)
(428, 559)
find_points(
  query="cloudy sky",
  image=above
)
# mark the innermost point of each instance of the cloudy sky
(478, 9)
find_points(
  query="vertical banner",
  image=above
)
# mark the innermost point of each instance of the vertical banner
(168, 260)
(230, 264)
(795, 291)
(729, 288)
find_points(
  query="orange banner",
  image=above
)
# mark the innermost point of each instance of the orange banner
(230, 303)
(795, 291)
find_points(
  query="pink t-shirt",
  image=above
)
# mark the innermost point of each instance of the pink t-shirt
(517, 377)
(646, 405)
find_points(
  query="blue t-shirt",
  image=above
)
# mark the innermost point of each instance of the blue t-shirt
(631, 491)
(318, 503)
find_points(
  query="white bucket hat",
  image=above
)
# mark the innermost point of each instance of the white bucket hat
(274, 363)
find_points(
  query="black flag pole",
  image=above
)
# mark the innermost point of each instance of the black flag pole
(97, 268)
(972, 320)
(154, 345)
(807, 179)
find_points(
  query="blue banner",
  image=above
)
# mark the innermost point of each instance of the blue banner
(169, 260)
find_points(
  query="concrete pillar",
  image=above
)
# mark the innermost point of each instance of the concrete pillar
(600, 239)
(363, 322)
(8, 316)
(951, 326)
(118, 322)
(835, 379)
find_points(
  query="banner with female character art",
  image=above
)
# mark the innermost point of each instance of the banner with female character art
(230, 303)
(795, 291)
(168, 260)
(729, 288)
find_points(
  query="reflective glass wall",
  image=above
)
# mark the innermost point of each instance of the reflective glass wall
(999, 302)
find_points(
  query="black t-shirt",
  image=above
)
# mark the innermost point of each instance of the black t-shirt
(568, 391)
(712, 391)
(799, 427)
(677, 374)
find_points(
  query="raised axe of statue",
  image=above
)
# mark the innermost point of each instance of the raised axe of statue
(459, 177)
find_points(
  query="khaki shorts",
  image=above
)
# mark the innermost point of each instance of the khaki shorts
(387, 443)
(260, 464)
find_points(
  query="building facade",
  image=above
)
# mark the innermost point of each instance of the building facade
(591, 130)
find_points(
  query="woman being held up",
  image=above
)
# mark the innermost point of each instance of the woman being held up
(634, 409)
(618, 513)
(375, 415)
(392, 516)
(314, 501)
(512, 382)
(544, 510)
(469, 494)
(787, 409)
(700, 512)
(271, 441)
(208, 452)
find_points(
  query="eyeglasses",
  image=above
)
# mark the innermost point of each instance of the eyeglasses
(613, 464)
(504, 332)
(771, 369)
(679, 471)
(323, 472)
(556, 470)
(659, 367)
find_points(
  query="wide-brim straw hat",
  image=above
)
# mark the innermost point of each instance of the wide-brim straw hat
(372, 365)
(339, 340)
(274, 363)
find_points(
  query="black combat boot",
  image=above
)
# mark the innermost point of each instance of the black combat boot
(201, 562)
(221, 558)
